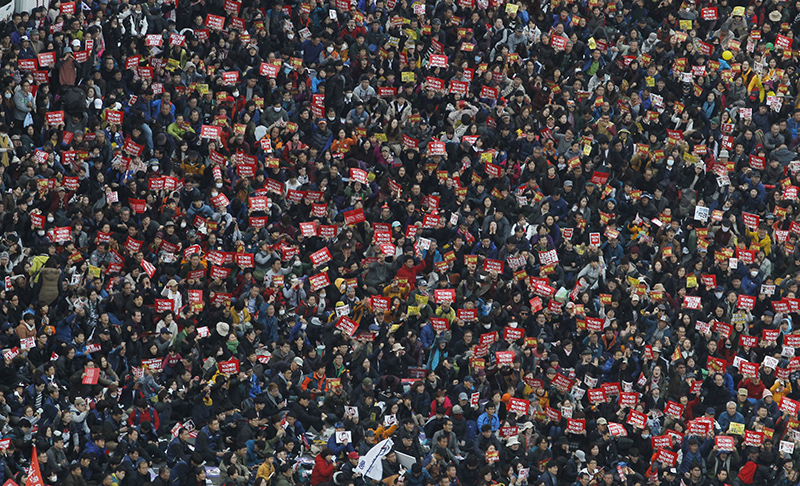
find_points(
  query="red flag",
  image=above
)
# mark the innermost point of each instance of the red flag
(34, 474)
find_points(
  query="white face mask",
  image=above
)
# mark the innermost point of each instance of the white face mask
(718, 294)
(41, 232)
(50, 219)
(281, 312)
(8, 95)
(235, 94)
(276, 108)
(219, 185)
(183, 224)
(754, 272)
(329, 49)
(214, 193)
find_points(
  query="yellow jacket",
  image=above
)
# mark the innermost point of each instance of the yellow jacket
(755, 83)
(764, 243)
(266, 471)
(245, 317)
(778, 395)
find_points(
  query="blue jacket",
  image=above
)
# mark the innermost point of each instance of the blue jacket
(558, 208)
(725, 420)
(338, 449)
(484, 419)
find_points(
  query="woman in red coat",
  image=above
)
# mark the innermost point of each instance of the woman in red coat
(323, 468)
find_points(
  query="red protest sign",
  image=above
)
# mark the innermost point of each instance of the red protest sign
(558, 42)
(229, 367)
(576, 426)
(27, 64)
(354, 216)
(790, 406)
(596, 395)
(439, 324)
(667, 457)
(637, 419)
(628, 399)
(444, 295)
(321, 256)
(154, 40)
(319, 281)
(133, 148)
(724, 443)
(54, 117)
(710, 13)
(513, 333)
(436, 148)
(347, 325)
(210, 131)
(745, 302)
(692, 302)
(673, 409)
(114, 116)
(504, 357)
(138, 206)
(490, 265)
(215, 21)
(358, 175)
(518, 405)
(747, 368)
(783, 42)
(508, 431)
(753, 438)
(91, 376)
(163, 305)
(751, 220)
(562, 381)
(710, 281)
(748, 341)
(467, 314)
(438, 60)
(269, 70)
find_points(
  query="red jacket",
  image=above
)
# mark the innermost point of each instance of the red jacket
(322, 472)
(150, 415)
(410, 273)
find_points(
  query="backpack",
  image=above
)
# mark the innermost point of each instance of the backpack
(74, 101)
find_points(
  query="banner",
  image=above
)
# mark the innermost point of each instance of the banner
(370, 465)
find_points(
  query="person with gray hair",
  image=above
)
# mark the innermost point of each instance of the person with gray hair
(731, 415)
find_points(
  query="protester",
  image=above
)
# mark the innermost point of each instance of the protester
(445, 242)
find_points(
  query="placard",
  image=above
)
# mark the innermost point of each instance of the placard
(229, 367)
(91, 376)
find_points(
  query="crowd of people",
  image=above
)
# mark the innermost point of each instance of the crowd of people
(441, 242)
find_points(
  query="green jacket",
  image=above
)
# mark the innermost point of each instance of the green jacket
(281, 480)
